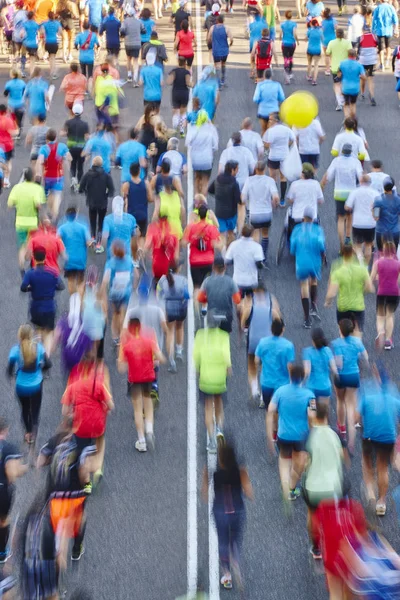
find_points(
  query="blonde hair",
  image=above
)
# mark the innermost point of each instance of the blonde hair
(15, 74)
(28, 346)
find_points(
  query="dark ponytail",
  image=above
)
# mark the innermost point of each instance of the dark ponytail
(170, 275)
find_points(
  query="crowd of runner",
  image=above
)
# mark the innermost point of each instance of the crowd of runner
(139, 303)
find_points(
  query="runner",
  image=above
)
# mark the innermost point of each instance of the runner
(328, 25)
(368, 57)
(261, 55)
(319, 363)
(30, 40)
(137, 194)
(76, 239)
(74, 85)
(385, 24)
(228, 204)
(289, 40)
(119, 226)
(315, 38)
(386, 213)
(268, 96)
(386, 270)
(351, 73)
(185, 44)
(51, 28)
(220, 38)
(37, 93)
(207, 92)
(77, 133)
(338, 49)
(151, 78)
(349, 136)
(131, 152)
(14, 91)
(8, 130)
(87, 42)
(309, 140)
(305, 193)
(46, 237)
(202, 139)
(360, 204)
(131, 30)
(180, 79)
(111, 26)
(66, 12)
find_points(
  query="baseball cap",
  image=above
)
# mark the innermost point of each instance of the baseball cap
(307, 168)
(182, 2)
(308, 212)
(347, 149)
(130, 11)
(77, 108)
(215, 8)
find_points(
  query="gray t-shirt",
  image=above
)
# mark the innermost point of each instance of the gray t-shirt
(151, 316)
(38, 133)
(131, 28)
(219, 290)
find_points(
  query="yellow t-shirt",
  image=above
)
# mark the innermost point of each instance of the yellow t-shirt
(338, 51)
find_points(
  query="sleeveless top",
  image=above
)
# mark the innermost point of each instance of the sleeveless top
(228, 497)
(170, 207)
(260, 321)
(137, 200)
(93, 317)
(220, 46)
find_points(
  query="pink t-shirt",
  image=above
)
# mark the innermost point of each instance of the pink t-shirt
(388, 275)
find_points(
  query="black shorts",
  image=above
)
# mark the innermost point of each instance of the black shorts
(144, 388)
(31, 51)
(372, 450)
(357, 316)
(252, 10)
(113, 51)
(260, 73)
(260, 224)
(9, 154)
(390, 302)
(383, 40)
(286, 447)
(132, 52)
(362, 235)
(199, 273)
(220, 59)
(263, 118)
(336, 78)
(77, 274)
(267, 394)
(6, 498)
(350, 99)
(188, 59)
(313, 159)
(246, 291)
(369, 70)
(340, 211)
(43, 320)
(142, 226)
(174, 317)
(274, 164)
(51, 48)
(180, 98)
(87, 69)
(205, 172)
(83, 443)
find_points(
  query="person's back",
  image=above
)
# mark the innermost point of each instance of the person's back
(170, 207)
(293, 402)
(227, 483)
(138, 351)
(268, 95)
(260, 320)
(151, 317)
(76, 129)
(388, 269)
(348, 350)
(212, 358)
(219, 290)
(351, 278)
(130, 29)
(225, 198)
(325, 472)
(389, 211)
(307, 243)
(137, 200)
(379, 409)
(74, 236)
(275, 352)
(42, 283)
(93, 316)
(220, 47)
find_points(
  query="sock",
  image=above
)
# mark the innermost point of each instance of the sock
(254, 386)
(175, 121)
(306, 308)
(129, 73)
(223, 69)
(283, 189)
(136, 74)
(313, 294)
(179, 348)
(342, 428)
(338, 98)
(4, 535)
(148, 427)
(142, 439)
(264, 246)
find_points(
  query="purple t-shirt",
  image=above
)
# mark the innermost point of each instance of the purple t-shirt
(388, 274)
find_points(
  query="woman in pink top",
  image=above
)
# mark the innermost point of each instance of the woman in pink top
(387, 271)
(74, 85)
(185, 43)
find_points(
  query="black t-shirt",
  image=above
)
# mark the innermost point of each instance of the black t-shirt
(228, 491)
(227, 196)
(7, 452)
(179, 84)
(180, 16)
(76, 130)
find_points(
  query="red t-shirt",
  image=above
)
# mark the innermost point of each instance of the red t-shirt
(194, 233)
(51, 243)
(185, 47)
(164, 246)
(87, 395)
(138, 351)
(7, 124)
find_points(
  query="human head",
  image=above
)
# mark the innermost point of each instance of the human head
(185, 25)
(134, 325)
(347, 149)
(203, 209)
(220, 19)
(346, 327)
(145, 14)
(389, 248)
(199, 199)
(265, 32)
(173, 144)
(97, 161)
(318, 338)
(314, 23)
(349, 124)
(227, 457)
(51, 15)
(105, 68)
(260, 167)
(277, 327)
(307, 171)
(352, 53)
(268, 74)
(28, 174)
(247, 230)
(322, 411)
(71, 213)
(134, 169)
(182, 3)
(327, 13)
(219, 264)
(77, 108)
(388, 185)
(165, 167)
(296, 372)
(41, 118)
(274, 118)
(365, 179)
(236, 138)
(39, 254)
(111, 10)
(37, 72)
(288, 15)
(377, 165)
(85, 25)
(74, 67)
(133, 133)
(130, 11)
(29, 15)
(15, 74)
(231, 167)
(340, 33)
(51, 135)
(356, 9)
(215, 9)
(347, 252)
(247, 123)
(154, 35)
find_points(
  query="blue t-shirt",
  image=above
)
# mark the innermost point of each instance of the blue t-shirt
(62, 150)
(351, 71)
(268, 95)
(384, 18)
(349, 350)
(28, 381)
(31, 31)
(275, 353)
(75, 236)
(15, 89)
(315, 10)
(111, 25)
(98, 145)
(95, 12)
(389, 205)
(288, 30)
(307, 243)
(42, 284)
(149, 25)
(319, 378)
(315, 36)
(206, 92)
(35, 91)
(255, 29)
(328, 30)
(51, 28)
(128, 153)
(292, 402)
(86, 56)
(121, 278)
(119, 230)
(379, 407)
(152, 77)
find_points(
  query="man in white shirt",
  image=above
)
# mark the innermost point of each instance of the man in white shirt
(309, 140)
(349, 136)
(360, 204)
(260, 195)
(176, 159)
(278, 139)
(345, 171)
(378, 176)
(241, 155)
(247, 258)
(250, 139)
(305, 193)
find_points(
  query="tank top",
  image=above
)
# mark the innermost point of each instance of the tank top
(228, 497)
(220, 46)
(388, 273)
(170, 207)
(93, 317)
(260, 321)
(137, 200)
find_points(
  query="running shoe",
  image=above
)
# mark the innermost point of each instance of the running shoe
(150, 439)
(282, 202)
(315, 553)
(172, 366)
(309, 78)
(219, 434)
(88, 487)
(307, 323)
(373, 102)
(314, 82)
(380, 510)
(99, 249)
(340, 12)
(179, 354)
(141, 446)
(226, 581)
(77, 553)
(294, 494)
(314, 312)
(327, 72)
(338, 107)
(212, 445)
(129, 78)
(291, 76)
(136, 83)
(362, 97)
(388, 345)
(97, 477)
(4, 556)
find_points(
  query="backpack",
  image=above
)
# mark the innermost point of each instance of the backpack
(264, 53)
(53, 166)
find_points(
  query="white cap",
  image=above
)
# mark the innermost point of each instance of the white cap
(182, 2)
(215, 8)
(77, 108)
(130, 10)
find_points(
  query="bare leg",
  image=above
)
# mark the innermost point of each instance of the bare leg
(137, 402)
(382, 468)
(368, 476)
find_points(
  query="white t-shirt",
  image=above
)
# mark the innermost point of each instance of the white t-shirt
(243, 157)
(309, 137)
(356, 142)
(257, 193)
(251, 140)
(278, 137)
(361, 201)
(344, 170)
(245, 253)
(303, 193)
(203, 142)
(356, 27)
(377, 178)
(176, 160)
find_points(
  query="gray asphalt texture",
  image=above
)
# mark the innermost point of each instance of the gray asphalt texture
(136, 533)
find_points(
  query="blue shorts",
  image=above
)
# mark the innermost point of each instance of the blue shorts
(267, 394)
(322, 393)
(227, 224)
(351, 380)
(53, 184)
(306, 273)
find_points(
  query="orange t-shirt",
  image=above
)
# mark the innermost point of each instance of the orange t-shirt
(43, 7)
(74, 86)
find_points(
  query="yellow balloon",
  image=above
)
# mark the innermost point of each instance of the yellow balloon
(299, 110)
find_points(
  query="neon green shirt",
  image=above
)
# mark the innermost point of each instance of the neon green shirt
(212, 357)
(351, 278)
(26, 197)
(105, 88)
(325, 471)
(338, 51)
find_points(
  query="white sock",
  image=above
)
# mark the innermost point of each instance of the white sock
(136, 74)
(129, 73)
(142, 439)
(254, 387)
(338, 98)
(148, 427)
(179, 347)
(175, 121)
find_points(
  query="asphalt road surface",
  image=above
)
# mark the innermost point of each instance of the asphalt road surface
(137, 534)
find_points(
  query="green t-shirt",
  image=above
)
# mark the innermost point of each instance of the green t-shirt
(351, 278)
(325, 473)
(338, 51)
(26, 197)
(212, 357)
